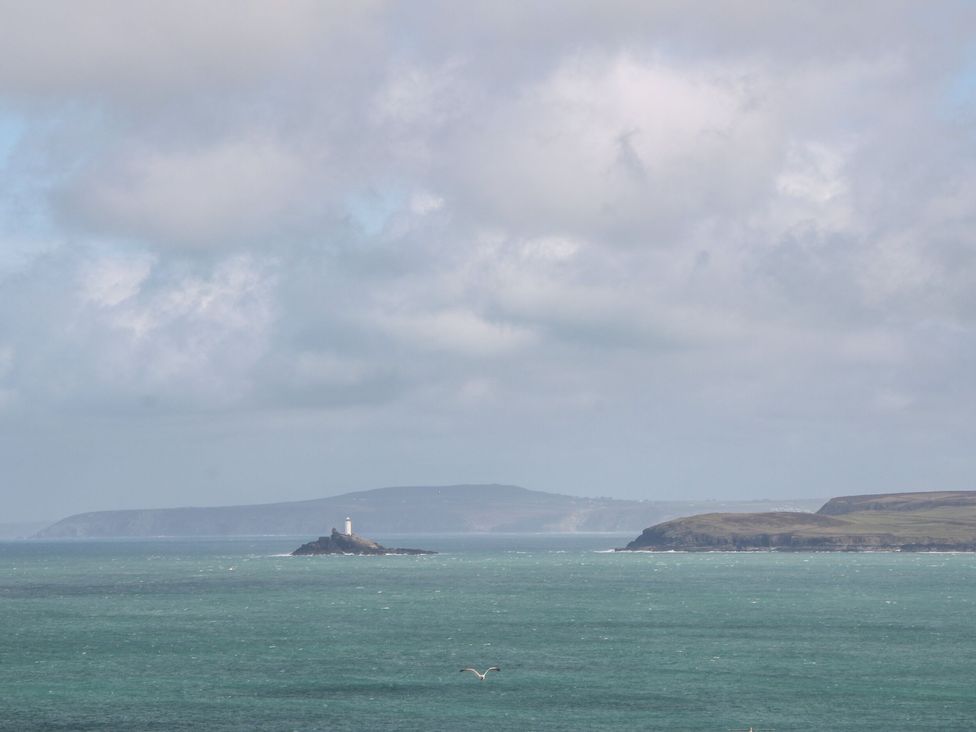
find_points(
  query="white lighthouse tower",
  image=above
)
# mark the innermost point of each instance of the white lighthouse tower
(348, 526)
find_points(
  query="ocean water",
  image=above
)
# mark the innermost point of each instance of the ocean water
(227, 634)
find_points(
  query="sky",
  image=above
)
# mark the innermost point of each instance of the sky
(267, 251)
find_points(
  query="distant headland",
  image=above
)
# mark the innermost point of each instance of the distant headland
(930, 521)
(406, 510)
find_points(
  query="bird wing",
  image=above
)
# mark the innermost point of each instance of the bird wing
(472, 670)
(493, 668)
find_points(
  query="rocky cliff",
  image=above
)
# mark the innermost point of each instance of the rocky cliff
(944, 521)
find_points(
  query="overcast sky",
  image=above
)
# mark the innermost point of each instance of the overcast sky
(260, 251)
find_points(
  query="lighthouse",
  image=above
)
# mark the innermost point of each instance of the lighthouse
(348, 526)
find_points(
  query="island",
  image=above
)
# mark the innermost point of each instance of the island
(349, 544)
(910, 522)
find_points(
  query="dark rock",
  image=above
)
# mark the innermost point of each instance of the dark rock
(349, 544)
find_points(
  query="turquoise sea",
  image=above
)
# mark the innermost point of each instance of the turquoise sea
(228, 634)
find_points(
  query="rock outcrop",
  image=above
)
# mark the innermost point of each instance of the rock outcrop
(349, 544)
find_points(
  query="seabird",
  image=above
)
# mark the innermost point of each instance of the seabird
(476, 672)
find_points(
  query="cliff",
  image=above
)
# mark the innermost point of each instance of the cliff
(936, 521)
(349, 544)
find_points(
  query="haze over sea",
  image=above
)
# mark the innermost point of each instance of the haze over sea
(229, 634)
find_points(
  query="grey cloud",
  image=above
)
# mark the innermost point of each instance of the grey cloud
(645, 246)
(232, 191)
(110, 47)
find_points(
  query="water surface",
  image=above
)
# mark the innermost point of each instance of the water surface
(226, 634)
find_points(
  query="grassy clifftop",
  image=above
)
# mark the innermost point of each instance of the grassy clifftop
(944, 521)
(914, 502)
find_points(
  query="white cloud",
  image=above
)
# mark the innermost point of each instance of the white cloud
(814, 187)
(550, 248)
(109, 281)
(458, 331)
(192, 337)
(618, 147)
(423, 203)
(415, 95)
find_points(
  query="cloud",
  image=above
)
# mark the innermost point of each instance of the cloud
(136, 332)
(418, 97)
(628, 235)
(8, 395)
(230, 191)
(157, 47)
(325, 380)
(617, 148)
(108, 281)
(193, 337)
(457, 331)
(423, 203)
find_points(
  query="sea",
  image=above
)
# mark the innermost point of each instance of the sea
(234, 634)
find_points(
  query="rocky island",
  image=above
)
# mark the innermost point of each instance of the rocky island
(349, 544)
(932, 521)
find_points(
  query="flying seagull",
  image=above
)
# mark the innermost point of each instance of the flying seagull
(476, 672)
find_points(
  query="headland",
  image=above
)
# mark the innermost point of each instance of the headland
(924, 521)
